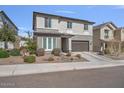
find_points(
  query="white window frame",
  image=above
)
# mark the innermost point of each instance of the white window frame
(47, 43)
(86, 27)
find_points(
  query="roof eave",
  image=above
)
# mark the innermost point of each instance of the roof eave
(64, 17)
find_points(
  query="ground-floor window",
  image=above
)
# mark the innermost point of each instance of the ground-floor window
(49, 43)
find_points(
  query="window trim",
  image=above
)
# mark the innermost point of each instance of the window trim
(69, 25)
(86, 27)
(47, 44)
(47, 22)
(106, 35)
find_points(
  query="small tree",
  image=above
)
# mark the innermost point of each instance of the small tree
(114, 47)
(7, 35)
(31, 44)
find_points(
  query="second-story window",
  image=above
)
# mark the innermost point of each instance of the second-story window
(47, 22)
(106, 33)
(69, 24)
(85, 26)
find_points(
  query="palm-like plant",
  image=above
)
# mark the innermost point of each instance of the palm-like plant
(7, 35)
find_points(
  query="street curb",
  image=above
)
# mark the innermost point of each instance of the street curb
(19, 69)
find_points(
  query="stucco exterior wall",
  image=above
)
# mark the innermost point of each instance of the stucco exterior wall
(84, 38)
(10, 45)
(122, 35)
(40, 22)
(61, 25)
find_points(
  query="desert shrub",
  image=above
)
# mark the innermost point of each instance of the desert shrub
(78, 56)
(29, 59)
(68, 54)
(50, 59)
(40, 52)
(56, 52)
(71, 58)
(23, 50)
(31, 46)
(14, 52)
(4, 54)
(107, 51)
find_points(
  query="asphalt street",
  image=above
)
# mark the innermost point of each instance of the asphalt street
(112, 77)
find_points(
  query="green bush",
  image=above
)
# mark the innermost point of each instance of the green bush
(4, 54)
(1, 48)
(40, 52)
(14, 52)
(31, 46)
(29, 59)
(68, 54)
(56, 52)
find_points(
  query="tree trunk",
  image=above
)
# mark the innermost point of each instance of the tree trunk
(6, 45)
(119, 47)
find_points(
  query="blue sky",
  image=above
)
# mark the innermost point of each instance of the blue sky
(22, 15)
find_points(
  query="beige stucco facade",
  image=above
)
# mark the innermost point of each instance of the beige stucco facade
(60, 24)
(102, 33)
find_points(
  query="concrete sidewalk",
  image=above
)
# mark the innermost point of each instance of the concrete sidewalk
(23, 69)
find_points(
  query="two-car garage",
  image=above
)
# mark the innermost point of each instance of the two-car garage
(78, 45)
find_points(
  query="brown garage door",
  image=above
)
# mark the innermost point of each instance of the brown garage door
(80, 46)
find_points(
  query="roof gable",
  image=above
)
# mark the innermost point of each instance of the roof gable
(4, 14)
(111, 25)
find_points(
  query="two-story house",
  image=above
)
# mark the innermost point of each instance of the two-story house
(68, 34)
(102, 35)
(4, 19)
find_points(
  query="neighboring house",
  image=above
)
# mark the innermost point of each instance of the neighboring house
(4, 19)
(102, 35)
(68, 34)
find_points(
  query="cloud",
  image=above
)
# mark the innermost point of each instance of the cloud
(66, 11)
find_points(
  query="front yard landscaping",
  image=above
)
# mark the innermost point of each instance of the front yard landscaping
(41, 56)
(30, 54)
(114, 50)
(119, 57)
